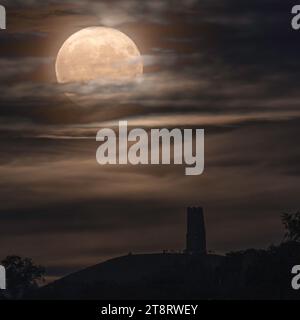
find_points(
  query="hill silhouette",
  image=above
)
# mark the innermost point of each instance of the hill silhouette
(250, 274)
(194, 274)
(144, 276)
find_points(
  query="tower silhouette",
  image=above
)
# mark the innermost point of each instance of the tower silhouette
(195, 237)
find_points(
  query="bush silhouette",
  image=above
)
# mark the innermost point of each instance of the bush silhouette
(291, 222)
(23, 276)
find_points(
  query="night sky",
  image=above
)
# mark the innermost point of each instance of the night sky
(231, 67)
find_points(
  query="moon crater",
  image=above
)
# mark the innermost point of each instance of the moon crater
(98, 53)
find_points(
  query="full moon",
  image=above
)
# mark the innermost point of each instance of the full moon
(98, 53)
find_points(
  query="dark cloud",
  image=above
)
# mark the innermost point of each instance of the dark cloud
(116, 12)
(16, 67)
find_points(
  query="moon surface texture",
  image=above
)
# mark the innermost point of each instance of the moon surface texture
(98, 54)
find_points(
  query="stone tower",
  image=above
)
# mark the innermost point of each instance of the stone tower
(195, 237)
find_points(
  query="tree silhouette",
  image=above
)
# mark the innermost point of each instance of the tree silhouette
(291, 222)
(22, 276)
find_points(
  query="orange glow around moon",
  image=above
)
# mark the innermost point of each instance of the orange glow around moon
(98, 53)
